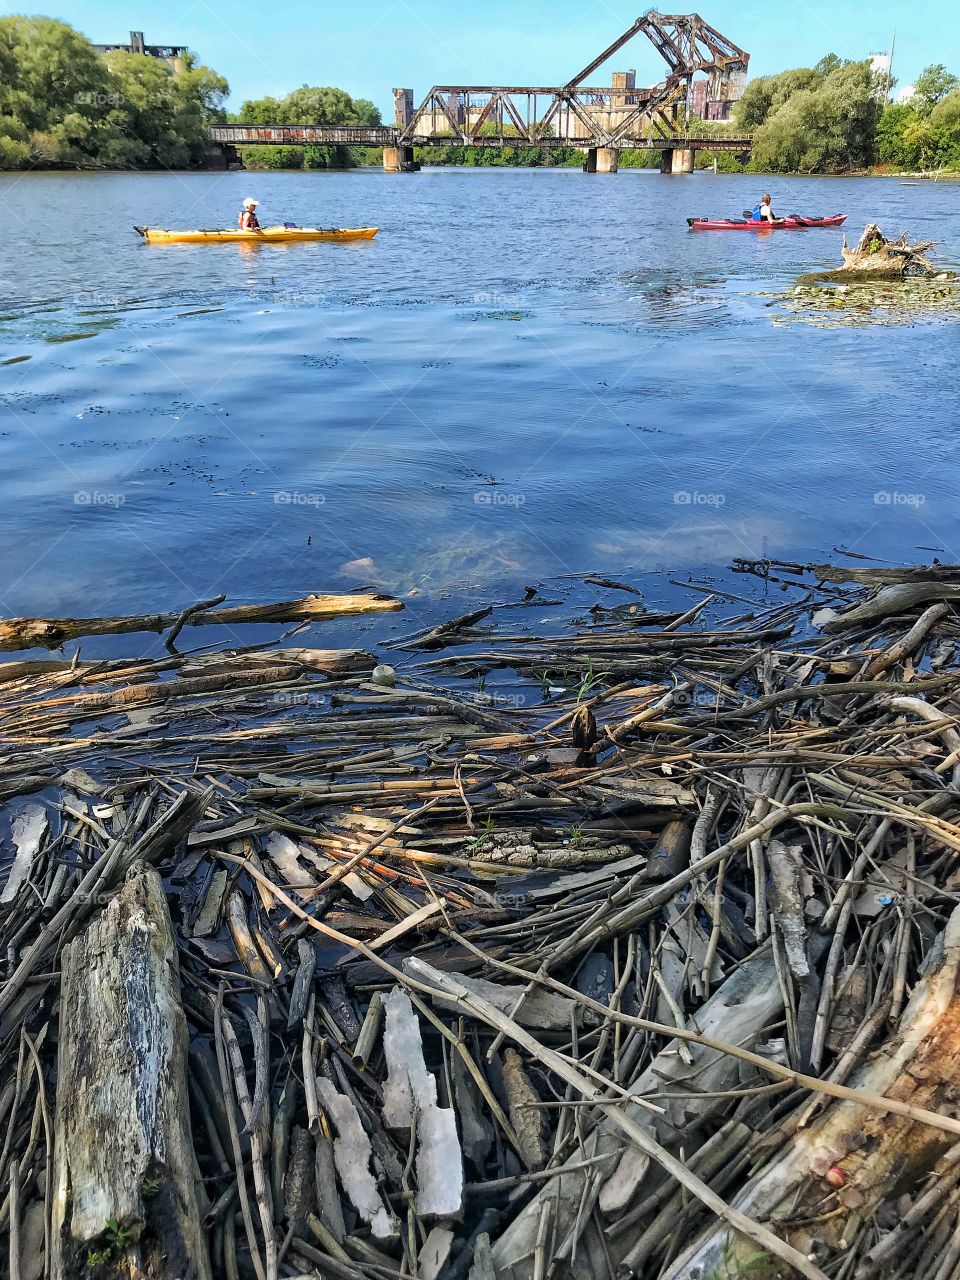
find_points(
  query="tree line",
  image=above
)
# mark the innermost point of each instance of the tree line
(308, 106)
(63, 105)
(835, 117)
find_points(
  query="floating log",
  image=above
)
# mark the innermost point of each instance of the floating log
(51, 633)
(125, 1200)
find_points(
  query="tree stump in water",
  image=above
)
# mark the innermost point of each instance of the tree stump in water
(125, 1199)
(877, 258)
(876, 255)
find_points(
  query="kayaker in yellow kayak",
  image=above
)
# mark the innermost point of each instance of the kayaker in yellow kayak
(248, 216)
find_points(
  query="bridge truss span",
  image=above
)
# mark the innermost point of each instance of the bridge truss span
(580, 114)
(600, 120)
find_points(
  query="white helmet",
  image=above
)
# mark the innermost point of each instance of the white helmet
(250, 203)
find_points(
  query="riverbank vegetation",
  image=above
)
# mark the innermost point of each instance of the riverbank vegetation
(834, 118)
(62, 105)
(308, 106)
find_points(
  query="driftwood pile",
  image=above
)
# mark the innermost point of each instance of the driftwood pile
(626, 950)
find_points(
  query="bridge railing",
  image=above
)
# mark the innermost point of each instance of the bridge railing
(293, 135)
(299, 135)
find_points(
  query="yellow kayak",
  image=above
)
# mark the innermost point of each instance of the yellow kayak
(266, 235)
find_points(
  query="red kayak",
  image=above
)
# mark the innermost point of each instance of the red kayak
(793, 223)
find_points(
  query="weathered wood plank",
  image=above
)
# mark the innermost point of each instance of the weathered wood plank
(125, 1200)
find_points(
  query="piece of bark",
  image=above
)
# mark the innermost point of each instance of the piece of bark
(328, 1201)
(352, 1153)
(483, 1266)
(123, 1160)
(475, 1130)
(877, 1155)
(240, 932)
(897, 598)
(29, 828)
(410, 1098)
(434, 1253)
(526, 1116)
(302, 983)
(786, 899)
(209, 913)
(298, 1186)
(671, 854)
(51, 633)
(328, 661)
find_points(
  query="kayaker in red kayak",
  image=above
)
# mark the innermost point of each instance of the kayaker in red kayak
(763, 212)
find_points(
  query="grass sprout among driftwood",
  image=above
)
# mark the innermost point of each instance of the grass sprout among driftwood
(648, 968)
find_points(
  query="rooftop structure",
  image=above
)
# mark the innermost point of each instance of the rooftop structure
(172, 54)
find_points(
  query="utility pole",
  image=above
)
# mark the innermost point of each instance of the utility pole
(886, 92)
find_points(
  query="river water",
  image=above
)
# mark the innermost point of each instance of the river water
(526, 375)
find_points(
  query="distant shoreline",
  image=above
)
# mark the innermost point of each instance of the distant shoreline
(947, 175)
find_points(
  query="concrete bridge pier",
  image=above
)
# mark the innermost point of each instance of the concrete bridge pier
(220, 157)
(602, 160)
(678, 160)
(399, 160)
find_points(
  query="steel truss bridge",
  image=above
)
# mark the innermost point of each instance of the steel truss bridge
(598, 119)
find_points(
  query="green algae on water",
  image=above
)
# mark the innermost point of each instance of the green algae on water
(868, 304)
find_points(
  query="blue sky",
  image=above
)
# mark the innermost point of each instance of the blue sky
(369, 46)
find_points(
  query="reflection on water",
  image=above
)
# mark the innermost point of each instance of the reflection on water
(526, 375)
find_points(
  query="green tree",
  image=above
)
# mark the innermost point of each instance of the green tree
(63, 105)
(933, 85)
(830, 128)
(53, 94)
(155, 118)
(306, 105)
(917, 136)
(767, 94)
(827, 65)
(14, 146)
(893, 124)
(946, 114)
